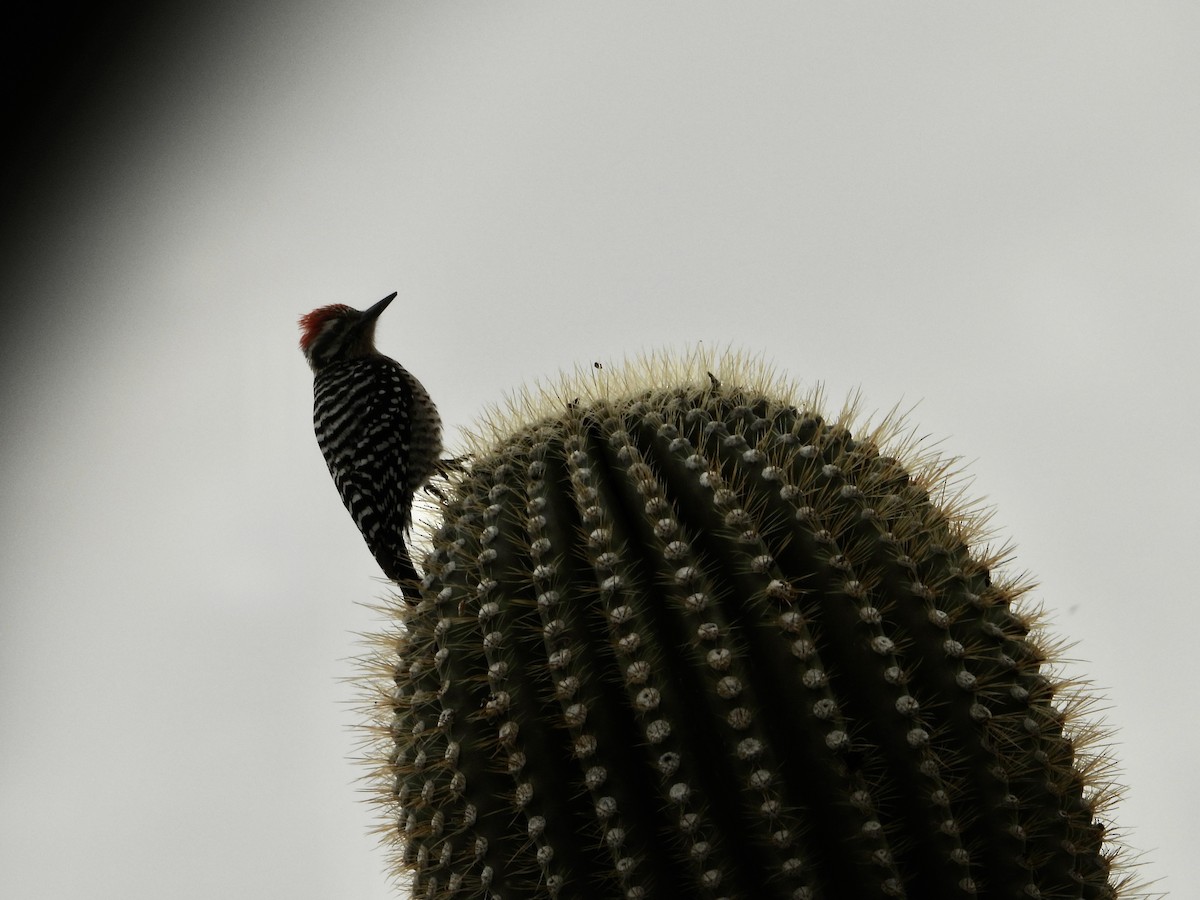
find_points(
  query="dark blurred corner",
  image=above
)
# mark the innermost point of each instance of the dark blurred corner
(62, 61)
(59, 58)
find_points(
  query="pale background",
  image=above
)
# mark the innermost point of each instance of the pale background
(990, 209)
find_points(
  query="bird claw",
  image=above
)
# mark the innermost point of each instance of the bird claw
(442, 468)
(454, 464)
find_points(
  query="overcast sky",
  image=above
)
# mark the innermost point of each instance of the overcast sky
(992, 212)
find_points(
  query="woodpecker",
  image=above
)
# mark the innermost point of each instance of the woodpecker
(380, 433)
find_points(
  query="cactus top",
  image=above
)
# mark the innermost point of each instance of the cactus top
(682, 636)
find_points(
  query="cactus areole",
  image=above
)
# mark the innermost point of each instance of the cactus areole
(682, 635)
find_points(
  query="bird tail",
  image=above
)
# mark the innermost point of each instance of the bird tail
(398, 567)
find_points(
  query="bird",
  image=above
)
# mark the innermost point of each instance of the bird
(376, 425)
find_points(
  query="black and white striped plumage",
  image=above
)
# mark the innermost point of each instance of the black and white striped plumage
(378, 429)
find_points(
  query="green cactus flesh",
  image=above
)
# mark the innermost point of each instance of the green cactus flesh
(700, 642)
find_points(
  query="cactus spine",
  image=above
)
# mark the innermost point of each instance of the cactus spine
(697, 641)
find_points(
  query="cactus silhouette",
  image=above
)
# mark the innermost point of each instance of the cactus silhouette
(682, 636)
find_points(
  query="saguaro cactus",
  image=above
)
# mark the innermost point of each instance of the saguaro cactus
(682, 636)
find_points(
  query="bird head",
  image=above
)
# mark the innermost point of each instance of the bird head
(335, 333)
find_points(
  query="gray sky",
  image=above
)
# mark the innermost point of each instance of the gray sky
(991, 212)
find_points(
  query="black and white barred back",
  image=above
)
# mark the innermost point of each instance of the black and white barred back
(381, 437)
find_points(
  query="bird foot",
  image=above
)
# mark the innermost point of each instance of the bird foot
(442, 468)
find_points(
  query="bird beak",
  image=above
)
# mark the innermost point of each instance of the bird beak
(370, 315)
